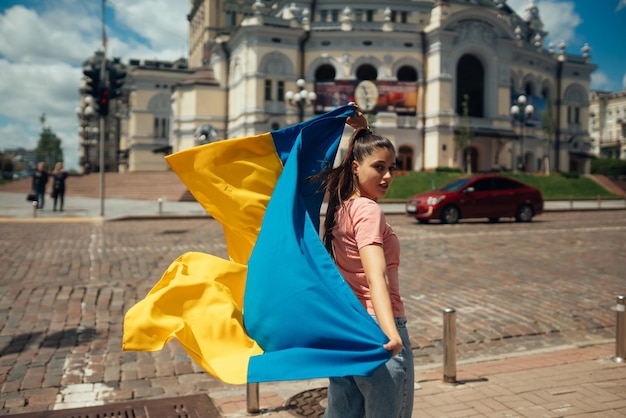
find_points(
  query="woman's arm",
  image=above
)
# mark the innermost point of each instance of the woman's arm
(373, 260)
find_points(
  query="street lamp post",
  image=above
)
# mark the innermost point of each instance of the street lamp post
(85, 114)
(300, 99)
(521, 112)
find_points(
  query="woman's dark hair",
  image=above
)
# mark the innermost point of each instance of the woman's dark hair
(339, 181)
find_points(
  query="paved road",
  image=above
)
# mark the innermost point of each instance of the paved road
(517, 288)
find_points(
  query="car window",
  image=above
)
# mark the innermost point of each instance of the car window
(455, 185)
(506, 184)
(482, 185)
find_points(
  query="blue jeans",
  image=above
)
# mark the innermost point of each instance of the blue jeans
(40, 192)
(387, 393)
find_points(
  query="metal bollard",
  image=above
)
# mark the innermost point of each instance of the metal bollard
(599, 201)
(571, 202)
(620, 330)
(160, 202)
(449, 345)
(35, 206)
(252, 398)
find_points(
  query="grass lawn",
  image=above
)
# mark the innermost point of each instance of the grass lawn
(554, 186)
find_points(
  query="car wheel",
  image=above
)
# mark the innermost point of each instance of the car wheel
(423, 221)
(493, 220)
(524, 214)
(449, 215)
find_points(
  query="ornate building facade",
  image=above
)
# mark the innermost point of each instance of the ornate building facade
(424, 71)
(607, 124)
(146, 113)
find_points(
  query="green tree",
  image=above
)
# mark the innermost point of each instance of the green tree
(548, 126)
(464, 137)
(49, 145)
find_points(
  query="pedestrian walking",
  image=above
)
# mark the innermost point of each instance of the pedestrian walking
(58, 185)
(367, 253)
(40, 179)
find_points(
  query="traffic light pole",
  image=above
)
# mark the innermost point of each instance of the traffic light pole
(102, 117)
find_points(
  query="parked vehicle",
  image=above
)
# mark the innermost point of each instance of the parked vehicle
(490, 196)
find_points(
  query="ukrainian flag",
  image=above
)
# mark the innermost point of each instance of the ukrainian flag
(278, 309)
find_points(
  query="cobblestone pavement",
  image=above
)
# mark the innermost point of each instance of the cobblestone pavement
(517, 288)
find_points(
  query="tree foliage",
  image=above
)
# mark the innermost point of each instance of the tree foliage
(49, 145)
(465, 134)
(548, 126)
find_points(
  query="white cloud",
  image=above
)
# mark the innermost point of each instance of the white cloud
(600, 81)
(621, 4)
(28, 37)
(161, 22)
(14, 136)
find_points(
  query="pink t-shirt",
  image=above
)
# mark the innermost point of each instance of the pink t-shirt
(361, 222)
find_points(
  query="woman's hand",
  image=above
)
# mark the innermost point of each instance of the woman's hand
(394, 345)
(359, 121)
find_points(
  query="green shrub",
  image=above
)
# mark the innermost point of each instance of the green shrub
(448, 170)
(610, 167)
(554, 186)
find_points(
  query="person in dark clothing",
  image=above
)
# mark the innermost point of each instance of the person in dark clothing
(58, 185)
(40, 179)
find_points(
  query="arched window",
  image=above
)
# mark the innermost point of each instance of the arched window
(470, 81)
(366, 72)
(325, 72)
(406, 73)
(404, 161)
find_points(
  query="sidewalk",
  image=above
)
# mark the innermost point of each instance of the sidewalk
(14, 206)
(566, 382)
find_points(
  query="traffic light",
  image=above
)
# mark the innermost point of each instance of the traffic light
(117, 75)
(92, 74)
(103, 101)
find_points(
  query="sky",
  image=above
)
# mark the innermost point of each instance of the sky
(43, 44)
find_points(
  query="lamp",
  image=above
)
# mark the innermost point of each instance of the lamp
(521, 112)
(86, 130)
(301, 98)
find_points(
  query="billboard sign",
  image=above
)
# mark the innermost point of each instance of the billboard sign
(392, 96)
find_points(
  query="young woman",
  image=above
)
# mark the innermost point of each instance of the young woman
(58, 186)
(40, 179)
(366, 250)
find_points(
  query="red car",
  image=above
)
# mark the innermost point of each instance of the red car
(490, 196)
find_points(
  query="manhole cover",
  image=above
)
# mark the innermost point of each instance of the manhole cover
(193, 406)
(310, 403)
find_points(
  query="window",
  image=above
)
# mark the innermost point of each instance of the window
(470, 82)
(268, 89)
(325, 72)
(482, 185)
(369, 15)
(335, 15)
(231, 18)
(404, 17)
(164, 127)
(505, 184)
(280, 93)
(406, 73)
(573, 114)
(366, 72)
(323, 15)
